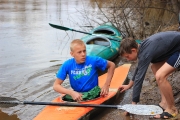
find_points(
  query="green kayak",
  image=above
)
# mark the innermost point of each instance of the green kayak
(104, 41)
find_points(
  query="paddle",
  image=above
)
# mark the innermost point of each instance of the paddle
(179, 19)
(66, 28)
(134, 109)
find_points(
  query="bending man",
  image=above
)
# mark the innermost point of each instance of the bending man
(163, 51)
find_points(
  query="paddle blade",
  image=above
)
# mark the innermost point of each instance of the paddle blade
(6, 102)
(141, 109)
(59, 27)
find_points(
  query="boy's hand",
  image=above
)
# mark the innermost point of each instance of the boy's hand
(104, 90)
(76, 96)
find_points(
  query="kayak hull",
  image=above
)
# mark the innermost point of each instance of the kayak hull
(80, 113)
(104, 41)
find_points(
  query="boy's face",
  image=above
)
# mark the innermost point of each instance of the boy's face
(131, 56)
(79, 53)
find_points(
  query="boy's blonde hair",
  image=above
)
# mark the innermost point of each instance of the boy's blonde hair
(126, 45)
(76, 42)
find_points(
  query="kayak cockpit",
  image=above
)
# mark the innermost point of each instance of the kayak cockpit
(104, 31)
(99, 40)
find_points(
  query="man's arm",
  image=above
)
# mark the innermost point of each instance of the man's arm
(110, 73)
(59, 88)
(131, 83)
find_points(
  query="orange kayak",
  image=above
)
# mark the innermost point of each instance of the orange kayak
(77, 113)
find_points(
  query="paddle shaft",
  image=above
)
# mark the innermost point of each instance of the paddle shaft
(71, 104)
(65, 28)
(79, 31)
(179, 19)
(82, 32)
(59, 104)
(134, 109)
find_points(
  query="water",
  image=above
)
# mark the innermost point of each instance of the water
(31, 51)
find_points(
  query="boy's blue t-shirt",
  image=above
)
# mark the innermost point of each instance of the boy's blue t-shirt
(83, 77)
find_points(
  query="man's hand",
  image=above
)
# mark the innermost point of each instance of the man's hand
(123, 88)
(76, 96)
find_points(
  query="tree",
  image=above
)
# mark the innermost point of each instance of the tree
(136, 18)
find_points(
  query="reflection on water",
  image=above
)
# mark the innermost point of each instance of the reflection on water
(7, 117)
(31, 51)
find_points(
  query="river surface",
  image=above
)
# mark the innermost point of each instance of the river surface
(31, 51)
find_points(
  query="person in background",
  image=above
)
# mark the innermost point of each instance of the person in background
(162, 50)
(83, 72)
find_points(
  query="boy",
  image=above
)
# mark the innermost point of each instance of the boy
(163, 51)
(82, 71)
